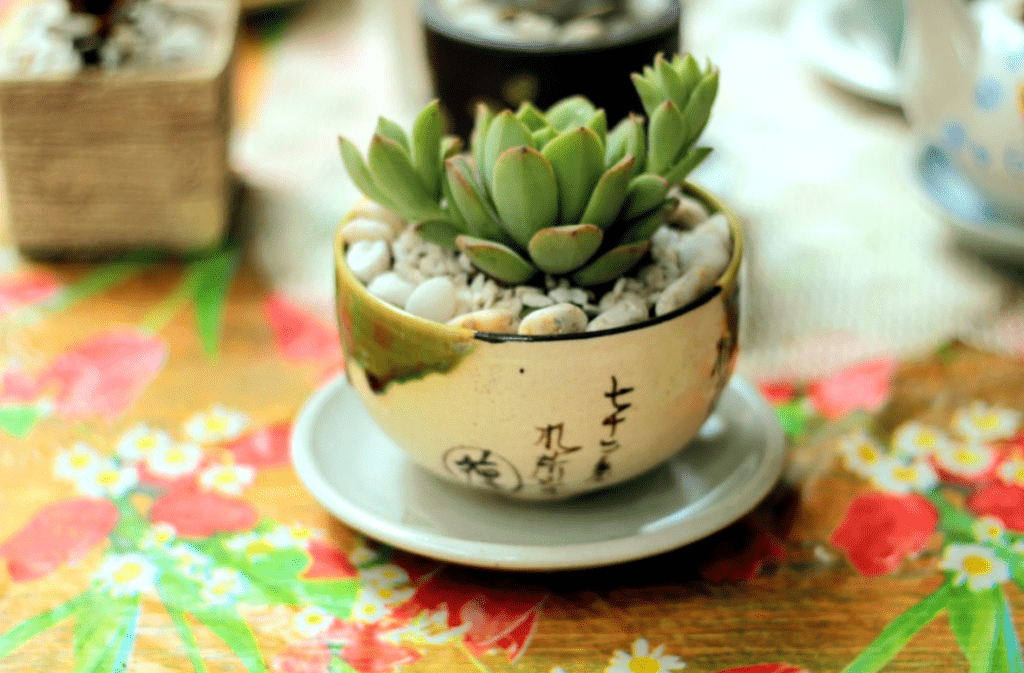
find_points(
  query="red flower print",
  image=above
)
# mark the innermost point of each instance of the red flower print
(498, 618)
(365, 651)
(195, 513)
(309, 657)
(767, 668)
(104, 375)
(328, 562)
(864, 386)
(26, 288)
(1000, 500)
(17, 387)
(267, 447)
(59, 533)
(880, 530)
(738, 552)
(777, 392)
(300, 335)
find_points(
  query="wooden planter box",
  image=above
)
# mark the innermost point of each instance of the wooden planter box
(102, 161)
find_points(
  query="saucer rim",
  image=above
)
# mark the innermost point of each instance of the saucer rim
(818, 48)
(704, 521)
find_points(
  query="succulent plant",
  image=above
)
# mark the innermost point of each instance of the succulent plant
(554, 191)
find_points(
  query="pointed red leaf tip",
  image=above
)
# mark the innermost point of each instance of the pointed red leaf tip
(104, 375)
(767, 668)
(1005, 501)
(195, 513)
(299, 334)
(880, 530)
(27, 287)
(60, 533)
(862, 387)
(266, 447)
(329, 563)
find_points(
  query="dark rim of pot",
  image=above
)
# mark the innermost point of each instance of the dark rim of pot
(436, 20)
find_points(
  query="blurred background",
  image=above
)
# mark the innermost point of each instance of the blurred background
(847, 259)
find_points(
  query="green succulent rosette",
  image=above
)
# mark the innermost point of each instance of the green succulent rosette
(552, 191)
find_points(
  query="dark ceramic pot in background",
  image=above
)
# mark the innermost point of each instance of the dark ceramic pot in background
(466, 69)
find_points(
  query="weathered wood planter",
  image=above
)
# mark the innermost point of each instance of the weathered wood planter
(106, 161)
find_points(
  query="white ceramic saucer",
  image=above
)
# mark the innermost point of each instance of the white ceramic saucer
(842, 41)
(354, 470)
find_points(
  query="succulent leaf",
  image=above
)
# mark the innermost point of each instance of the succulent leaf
(392, 131)
(644, 193)
(478, 137)
(698, 109)
(530, 116)
(427, 135)
(496, 260)
(505, 132)
(668, 134)
(609, 194)
(578, 161)
(599, 125)
(644, 227)
(565, 248)
(671, 83)
(627, 139)
(393, 173)
(481, 220)
(442, 232)
(569, 112)
(650, 94)
(525, 192)
(450, 146)
(360, 174)
(611, 264)
(689, 161)
(543, 137)
(689, 71)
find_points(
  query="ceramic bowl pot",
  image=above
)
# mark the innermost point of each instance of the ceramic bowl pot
(466, 69)
(540, 417)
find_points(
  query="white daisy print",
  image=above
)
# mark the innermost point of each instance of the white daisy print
(159, 535)
(126, 574)
(369, 608)
(386, 576)
(216, 425)
(227, 478)
(982, 422)
(312, 621)
(989, 529)
(174, 460)
(76, 462)
(1012, 470)
(190, 562)
(977, 565)
(1018, 546)
(861, 453)
(966, 460)
(917, 439)
(428, 628)
(644, 660)
(223, 587)
(252, 545)
(896, 476)
(108, 481)
(297, 536)
(140, 441)
(362, 555)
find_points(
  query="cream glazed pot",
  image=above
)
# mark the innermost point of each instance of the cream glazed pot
(541, 417)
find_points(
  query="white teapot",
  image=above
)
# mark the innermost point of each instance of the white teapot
(963, 94)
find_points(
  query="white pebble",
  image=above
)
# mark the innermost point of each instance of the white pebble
(694, 283)
(578, 31)
(392, 288)
(364, 229)
(632, 309)
(492, 320)
(718, 226)
(368, 259)
(530, 27)
(689, 213)
(695, 249)
(557, 319)
(534, 299)
(371, 210)
(433, 300)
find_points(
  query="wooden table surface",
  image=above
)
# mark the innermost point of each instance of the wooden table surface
(150, 520)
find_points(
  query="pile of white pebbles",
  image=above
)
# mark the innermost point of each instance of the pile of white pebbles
(687, 257)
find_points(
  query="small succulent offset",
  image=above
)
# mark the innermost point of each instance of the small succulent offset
(553, 191)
